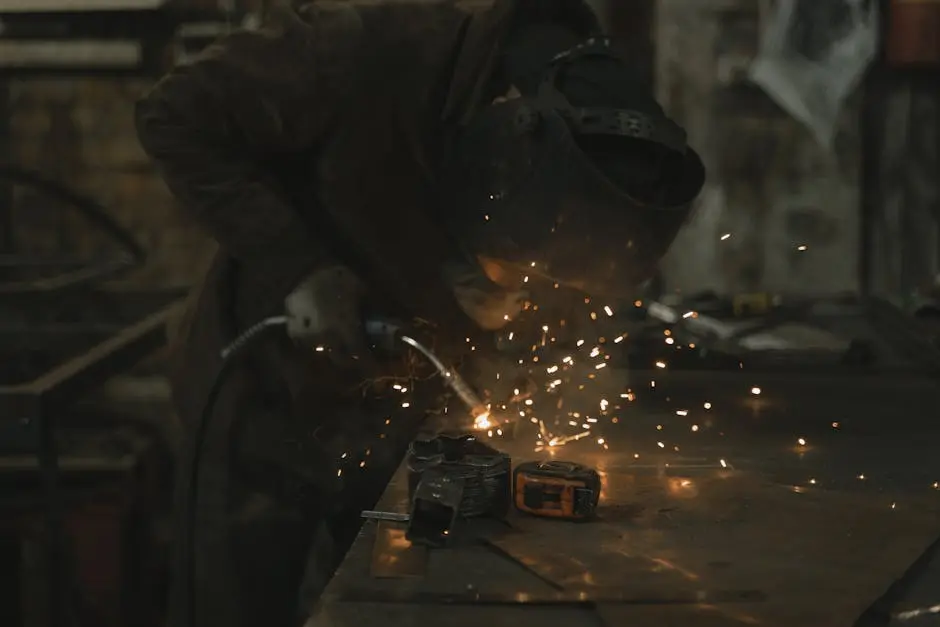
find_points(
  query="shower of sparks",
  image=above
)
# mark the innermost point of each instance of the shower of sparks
(570, 399)
(571, 395)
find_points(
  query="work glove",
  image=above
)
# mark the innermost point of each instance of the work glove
(324, 314)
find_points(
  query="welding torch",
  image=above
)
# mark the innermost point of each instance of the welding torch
(382, 334)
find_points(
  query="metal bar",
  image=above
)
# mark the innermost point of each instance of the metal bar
(71, 464)
(64, 54)
(6, 189)
(59, 568)
(69, 279)
(579, 598)
(62, 6)
(54, 338)
(8, 260)
(386, 516)
(804, 377)
(871, 121)
(66, 382)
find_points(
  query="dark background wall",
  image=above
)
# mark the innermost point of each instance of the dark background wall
(779, 212)
(901, 125)
(81, 132)
(771, 187)
(903, 211)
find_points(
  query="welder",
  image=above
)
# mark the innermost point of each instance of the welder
(414, 160)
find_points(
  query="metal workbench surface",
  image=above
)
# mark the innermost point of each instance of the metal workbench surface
(730, 498)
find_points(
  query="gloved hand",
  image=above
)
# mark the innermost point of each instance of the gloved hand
(325, 310)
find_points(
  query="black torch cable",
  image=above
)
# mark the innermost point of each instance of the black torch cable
(188, 541)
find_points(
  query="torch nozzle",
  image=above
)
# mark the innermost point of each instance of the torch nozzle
(454, 381)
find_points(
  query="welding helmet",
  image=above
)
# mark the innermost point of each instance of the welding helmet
(591, 197)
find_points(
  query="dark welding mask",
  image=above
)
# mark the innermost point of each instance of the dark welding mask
(590, 197)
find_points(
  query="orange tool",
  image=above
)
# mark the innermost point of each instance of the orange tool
(562, 490)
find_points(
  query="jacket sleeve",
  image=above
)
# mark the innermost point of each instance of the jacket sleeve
(211, 125)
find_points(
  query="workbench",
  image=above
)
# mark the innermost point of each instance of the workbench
(793, 500)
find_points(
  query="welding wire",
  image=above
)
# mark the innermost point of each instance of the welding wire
(245, 338)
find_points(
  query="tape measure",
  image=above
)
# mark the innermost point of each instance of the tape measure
(556, 489)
